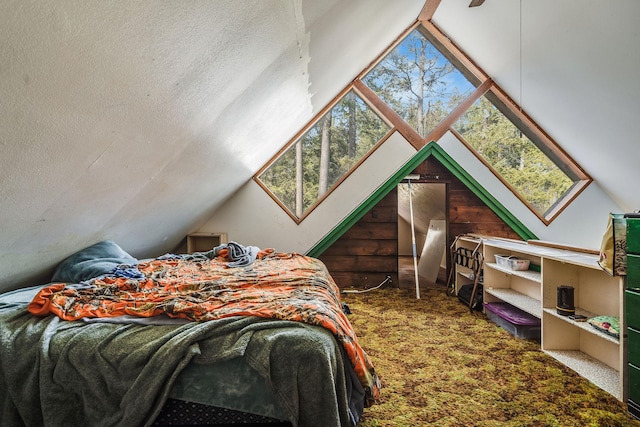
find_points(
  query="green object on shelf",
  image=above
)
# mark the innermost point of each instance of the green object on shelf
(608, 324)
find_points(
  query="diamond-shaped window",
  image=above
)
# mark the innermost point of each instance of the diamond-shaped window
(419, 82)
(515, 154)
(312, 165)
(416, 88)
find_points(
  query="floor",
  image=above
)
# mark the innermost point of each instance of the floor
(406, 276)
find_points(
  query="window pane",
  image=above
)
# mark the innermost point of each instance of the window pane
(419, 83)
(280, 178)
(512, 153)
(324, 154)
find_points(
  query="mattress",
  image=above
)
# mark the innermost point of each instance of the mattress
(237, 363)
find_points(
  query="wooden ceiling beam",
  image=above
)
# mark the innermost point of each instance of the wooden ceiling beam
(428, 10)
(475, 3)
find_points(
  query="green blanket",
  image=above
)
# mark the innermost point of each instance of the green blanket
(61, 373)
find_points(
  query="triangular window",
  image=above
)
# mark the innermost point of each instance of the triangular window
(423, 86)
(419, 83)
(326, 152)
(514, 153)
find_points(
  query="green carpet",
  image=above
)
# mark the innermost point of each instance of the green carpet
(442, 365)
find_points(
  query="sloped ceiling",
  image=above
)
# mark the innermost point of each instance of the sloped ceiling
(135, 121)
(570, 64)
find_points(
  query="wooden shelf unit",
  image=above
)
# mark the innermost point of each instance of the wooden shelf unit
(596, 356)
(203, 242)
(522, 289)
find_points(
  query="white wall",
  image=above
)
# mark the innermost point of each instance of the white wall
(572, 65)
(136, 121)
(251, 217)
(581, 224)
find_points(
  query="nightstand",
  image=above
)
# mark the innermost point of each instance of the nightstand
(203, 242)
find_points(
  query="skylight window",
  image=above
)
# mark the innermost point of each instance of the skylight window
(313, 164)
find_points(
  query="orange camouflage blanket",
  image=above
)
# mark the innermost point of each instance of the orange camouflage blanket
(285, 286)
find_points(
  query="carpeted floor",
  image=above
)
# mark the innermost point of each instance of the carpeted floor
(442, 365)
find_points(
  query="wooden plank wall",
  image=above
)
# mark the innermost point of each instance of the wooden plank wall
(368, 251)
(466, 213)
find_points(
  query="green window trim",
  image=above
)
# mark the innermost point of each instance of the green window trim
(430, 149)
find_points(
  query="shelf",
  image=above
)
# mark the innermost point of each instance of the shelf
(534, 276)
(562, 255)
(595, 371)
(596, 355)
(583, 325)
(523, 302)
(202, 242)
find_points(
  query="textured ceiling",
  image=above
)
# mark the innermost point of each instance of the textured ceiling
(136, 120)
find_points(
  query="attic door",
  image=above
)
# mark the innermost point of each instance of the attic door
(430, 223)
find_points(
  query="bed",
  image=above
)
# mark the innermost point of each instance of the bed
(236, 333)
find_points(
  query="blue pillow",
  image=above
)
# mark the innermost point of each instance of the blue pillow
(91, 262)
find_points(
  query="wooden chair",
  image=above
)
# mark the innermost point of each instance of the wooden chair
(472, 261)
